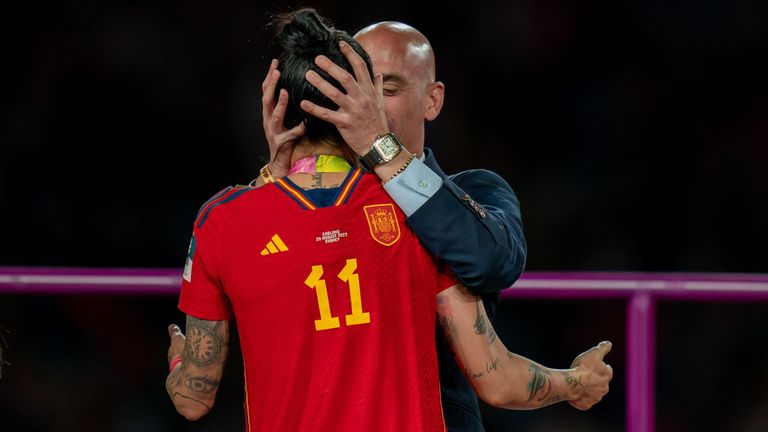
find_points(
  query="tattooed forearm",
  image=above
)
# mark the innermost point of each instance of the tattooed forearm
(480, 327)
(204, 341)
(491, 335)
(191, 399)
(202, 384)
(490, 367)
(539, 382)
(572, 380)
(472, 375)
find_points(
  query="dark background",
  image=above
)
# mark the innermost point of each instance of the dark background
(634, 133)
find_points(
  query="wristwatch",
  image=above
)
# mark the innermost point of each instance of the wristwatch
(385, 147)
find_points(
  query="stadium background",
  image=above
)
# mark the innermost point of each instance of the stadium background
(634, 133)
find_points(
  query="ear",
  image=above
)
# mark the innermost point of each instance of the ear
(435, 97)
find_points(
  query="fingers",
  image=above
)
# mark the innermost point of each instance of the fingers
(326, 88)
(174, 330)
(296, 132)
(331, 116)
(605, 347)
(268, 87)
(278, 114)
(358, 65)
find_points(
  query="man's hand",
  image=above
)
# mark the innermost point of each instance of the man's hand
(177, 342)
(280, 139)
(594, 375)
(360, 117)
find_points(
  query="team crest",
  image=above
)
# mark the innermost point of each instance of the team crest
(382, 222)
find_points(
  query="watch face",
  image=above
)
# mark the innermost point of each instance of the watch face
(388, 147)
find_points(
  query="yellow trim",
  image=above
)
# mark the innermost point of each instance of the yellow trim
(297, 194)
(345, 192)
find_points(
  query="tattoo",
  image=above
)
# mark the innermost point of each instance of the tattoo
(471, 375)
(204, 341)
(192, 399)
(491, 335)
(510, 355)
(202, 384)
(317, 183)
(489, 369)
(492, 366)
(480, 327)
(539, 381)
(571, 380)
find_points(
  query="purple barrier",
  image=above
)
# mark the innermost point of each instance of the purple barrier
(641, 290)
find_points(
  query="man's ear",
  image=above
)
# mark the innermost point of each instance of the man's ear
(435, 97)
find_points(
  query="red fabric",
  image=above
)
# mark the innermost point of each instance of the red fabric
(375, 376)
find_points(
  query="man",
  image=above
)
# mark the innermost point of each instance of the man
(470, 220)
(375, 368)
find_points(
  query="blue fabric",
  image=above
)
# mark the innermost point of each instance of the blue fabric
(322, 197)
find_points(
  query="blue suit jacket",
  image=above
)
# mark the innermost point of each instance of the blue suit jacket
(473, 224)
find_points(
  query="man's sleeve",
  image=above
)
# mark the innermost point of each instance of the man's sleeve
(473, 223)
(202, 295)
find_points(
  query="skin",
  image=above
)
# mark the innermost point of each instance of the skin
(500, 378)
(402, 95)
(400, 98)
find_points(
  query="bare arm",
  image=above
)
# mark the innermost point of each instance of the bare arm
(192, 385)
(506, 380)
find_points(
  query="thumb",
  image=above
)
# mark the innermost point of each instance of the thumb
(174, 331)
(604, 347)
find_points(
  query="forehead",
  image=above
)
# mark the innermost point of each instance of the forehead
(396, 54)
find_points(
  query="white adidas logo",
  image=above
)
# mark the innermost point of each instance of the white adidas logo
(274, 246)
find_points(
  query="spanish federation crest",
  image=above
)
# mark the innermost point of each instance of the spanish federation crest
(382, 222)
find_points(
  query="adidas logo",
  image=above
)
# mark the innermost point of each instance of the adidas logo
(274, 246)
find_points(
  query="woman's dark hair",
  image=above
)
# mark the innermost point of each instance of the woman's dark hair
(301, 36)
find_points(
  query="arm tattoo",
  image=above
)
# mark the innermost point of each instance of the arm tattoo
(202, 384)
(491, 335)
(571, 380)
(192, 399)
(539, 381)
(204, 341)
(480, 327)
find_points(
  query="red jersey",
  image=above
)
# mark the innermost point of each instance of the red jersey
(335, 306)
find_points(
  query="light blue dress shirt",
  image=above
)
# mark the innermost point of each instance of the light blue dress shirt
(414, 186)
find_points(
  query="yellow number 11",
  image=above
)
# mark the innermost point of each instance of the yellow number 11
(347, 274)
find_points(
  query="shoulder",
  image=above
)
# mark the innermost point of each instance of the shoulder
(221, 199)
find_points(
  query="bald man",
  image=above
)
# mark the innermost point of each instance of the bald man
(470, 220)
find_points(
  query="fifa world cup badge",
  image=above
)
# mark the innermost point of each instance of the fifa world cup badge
(382, 223)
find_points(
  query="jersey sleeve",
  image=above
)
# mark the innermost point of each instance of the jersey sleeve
(202, 295)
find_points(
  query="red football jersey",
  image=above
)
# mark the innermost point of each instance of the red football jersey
(335, 306)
